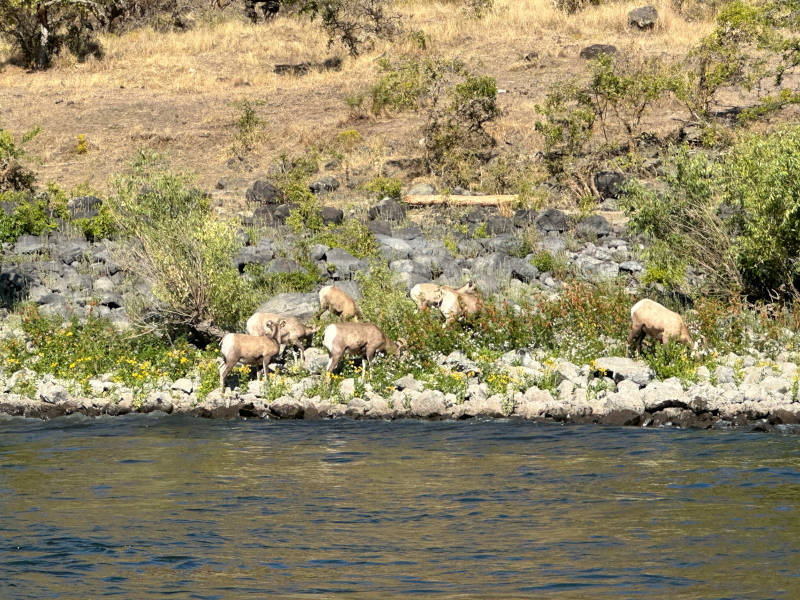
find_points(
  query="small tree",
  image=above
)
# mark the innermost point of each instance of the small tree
(40, 28)
(181, 248)
(456, 142)
(354, 23)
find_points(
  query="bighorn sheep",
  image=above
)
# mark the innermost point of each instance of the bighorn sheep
(429, 294)
(338, 302)
(255, 324)
(651, 318)
(250, 349)
(292, 332)
(364, 339)
(453, 303)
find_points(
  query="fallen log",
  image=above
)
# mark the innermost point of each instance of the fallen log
(453, 200)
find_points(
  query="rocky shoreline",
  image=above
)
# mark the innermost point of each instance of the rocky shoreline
(66, 277)
(612, 391)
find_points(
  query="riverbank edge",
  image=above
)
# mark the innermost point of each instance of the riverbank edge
(695, 408)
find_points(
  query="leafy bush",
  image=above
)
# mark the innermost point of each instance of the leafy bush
(736, 218)
(684, 224)
(353, 236)
(306, 216)
(179, 246)
(761, 180)
(13, 176)
(456, 143)
(32, 214)
(97, 228)
(567, 126)
(671, 360)
(409, 82)
(573, 6)
(619, 93)
(247, 127)
(384, 187)
(269, 284)
(664, 266)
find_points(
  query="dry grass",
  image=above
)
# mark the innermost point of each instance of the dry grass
(174, 92)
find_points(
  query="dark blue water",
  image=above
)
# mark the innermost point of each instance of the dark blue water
(151, 507)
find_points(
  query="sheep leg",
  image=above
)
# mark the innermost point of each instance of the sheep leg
(635, 338)
(224, 370)
(333, 362)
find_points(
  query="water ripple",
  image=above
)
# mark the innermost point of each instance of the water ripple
(151, 506)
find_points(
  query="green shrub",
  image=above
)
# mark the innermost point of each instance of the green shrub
(683, 223)
(755, 188)
(664, 266)
(456, 143)
(179, 246)
(247, 126)
(761, 178)
(671, 360)
(306, 216)
(383, 187)
(573, 6)
(410, 82)
(269, 284)
(97, 228)
(567, 125)
(32, 214)
(619, 94)
(14, 176)
(353, 236)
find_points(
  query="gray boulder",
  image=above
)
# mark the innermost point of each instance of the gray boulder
(595, 50)
(262, 192)
(287, 408)
(552, 219)
(619, 368)
(393, 248)
(284, 265)
(387, 209)
(327, 183)
(422, 189)
(595, 269)
(345, 264)
(70, 251)
(631, 266)
(302, 306)
(84, 207)
(644, 17)
(253, 255)
(332, 215)
(487, 269)
(428, 404)
(29, 244)
(497, 225)
(524, 217)
(592, 227)
(608, 184)
(522, 270)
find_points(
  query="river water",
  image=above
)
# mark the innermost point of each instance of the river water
(150, 506)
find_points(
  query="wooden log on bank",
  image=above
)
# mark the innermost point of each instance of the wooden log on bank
(454, 200)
